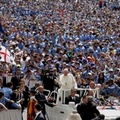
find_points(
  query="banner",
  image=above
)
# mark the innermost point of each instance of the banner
(6, 56)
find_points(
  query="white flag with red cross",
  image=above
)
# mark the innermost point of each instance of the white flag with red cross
(5, 55)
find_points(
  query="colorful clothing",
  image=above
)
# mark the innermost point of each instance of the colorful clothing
(30, 109)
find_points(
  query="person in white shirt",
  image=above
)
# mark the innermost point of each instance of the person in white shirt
(30, 79)
(67, 80)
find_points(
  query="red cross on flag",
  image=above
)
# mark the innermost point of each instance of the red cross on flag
(61, 12)
(5, 55)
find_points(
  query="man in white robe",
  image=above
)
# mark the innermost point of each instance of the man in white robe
(67, 80)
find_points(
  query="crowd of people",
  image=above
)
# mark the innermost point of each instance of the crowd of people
(59, 44)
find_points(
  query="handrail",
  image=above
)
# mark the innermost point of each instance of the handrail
(62, 93)
(54, 97)
(45, 90)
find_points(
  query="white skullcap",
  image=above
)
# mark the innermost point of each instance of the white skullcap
(65, 69)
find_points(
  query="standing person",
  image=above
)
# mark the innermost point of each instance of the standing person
(1, 25)
(91, 110)
(82, 106)
(48, 80)
(2, 77)
(67, 80)
(7, 90)
(101, 78)
(30, 79)
(31, 105)
(100, 3)
(15, 80)
(15, 95)
(23, 95)
(41, 98)
(38, 111)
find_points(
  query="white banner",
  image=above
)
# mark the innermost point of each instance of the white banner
(6, 56)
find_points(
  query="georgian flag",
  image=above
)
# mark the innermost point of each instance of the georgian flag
(5, 55)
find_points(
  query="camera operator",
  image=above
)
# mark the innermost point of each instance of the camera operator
(49, 79)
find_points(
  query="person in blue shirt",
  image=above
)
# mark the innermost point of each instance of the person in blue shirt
(111, 89)
(8, 103)
(7, 90)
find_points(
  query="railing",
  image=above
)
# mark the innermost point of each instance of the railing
(46, 92)
(11, 115)
(96, 91)
(62, 94)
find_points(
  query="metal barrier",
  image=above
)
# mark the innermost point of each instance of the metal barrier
(11, 115)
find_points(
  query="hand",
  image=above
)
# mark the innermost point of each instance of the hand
(5, 108)
(106, 86)
(49, 98)
(54, 104)
(11, 101)
(22, 100)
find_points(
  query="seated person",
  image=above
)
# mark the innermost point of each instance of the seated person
(8, 103)
(72, 97)
(90, 93)
(92, 85)
(111, 89)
